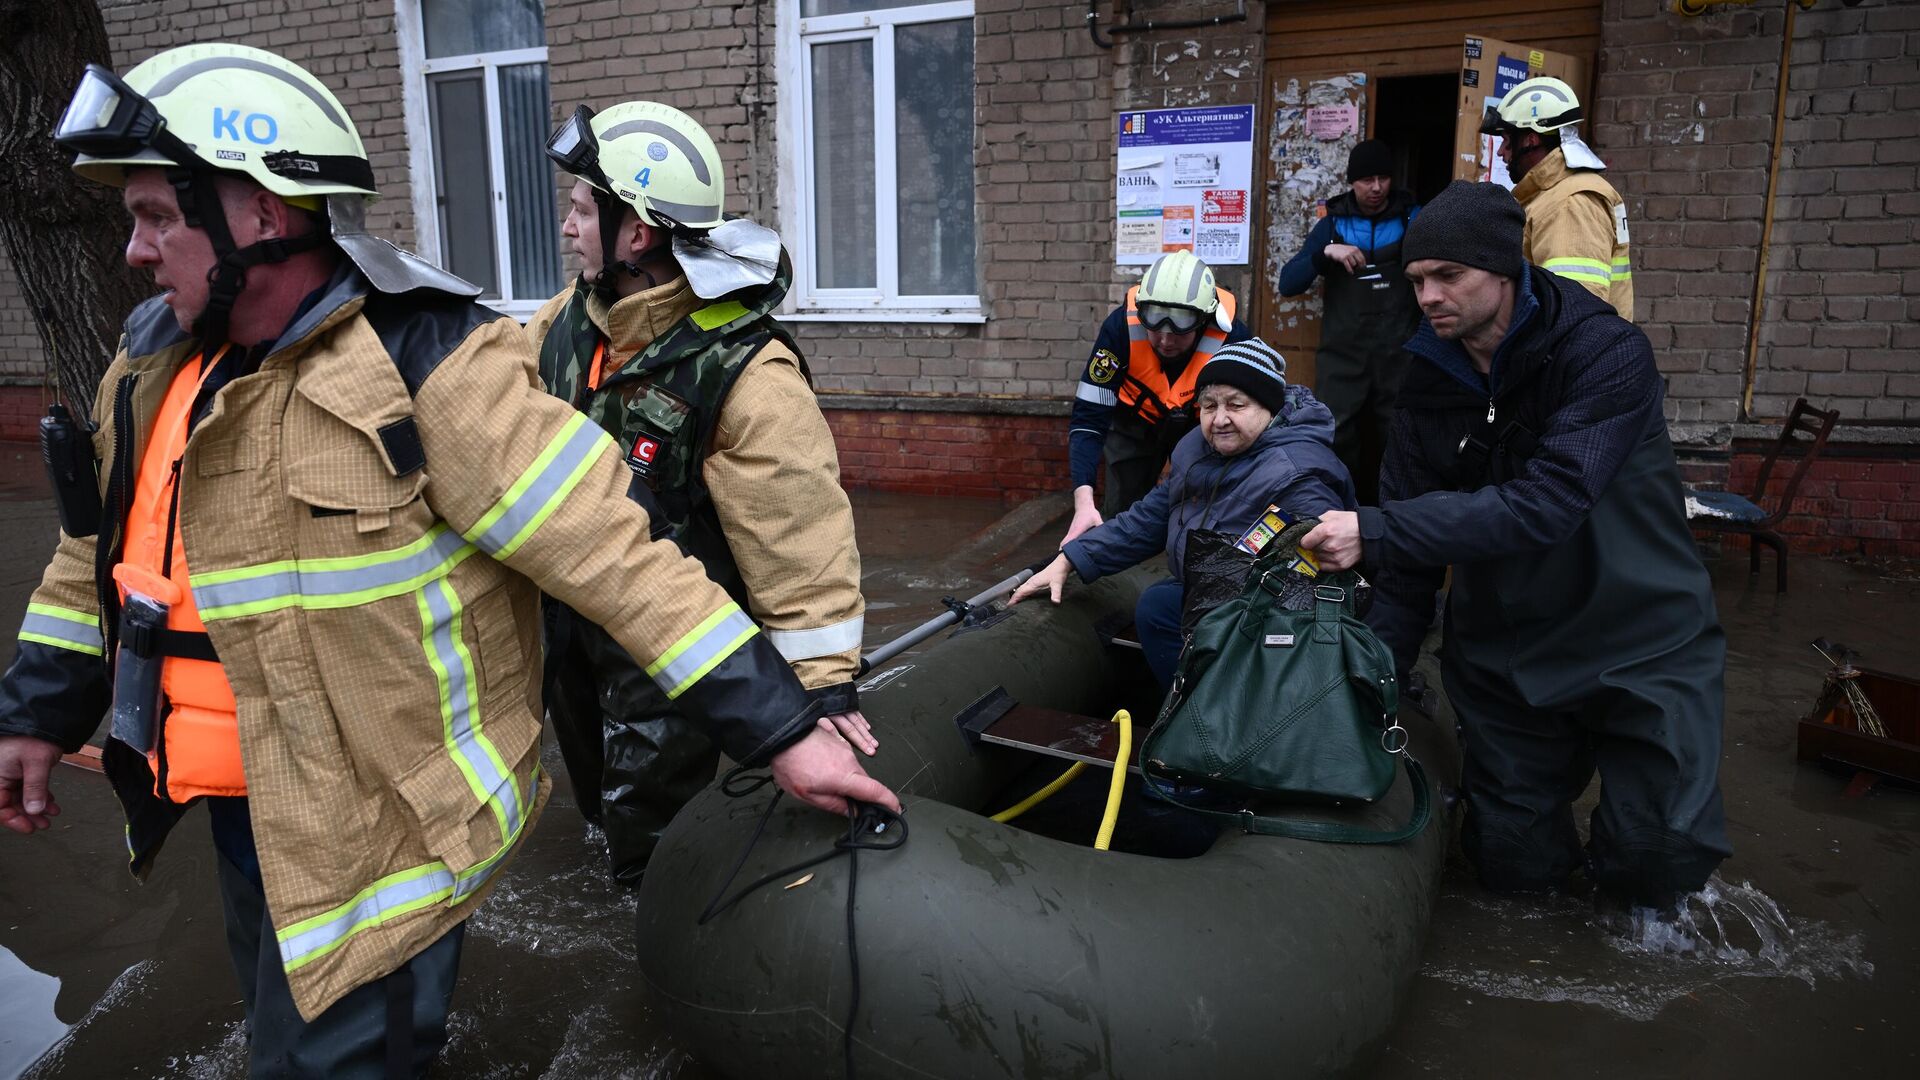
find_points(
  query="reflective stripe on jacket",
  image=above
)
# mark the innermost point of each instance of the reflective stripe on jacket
(370, 517)
(1577, 228)
(766, 471)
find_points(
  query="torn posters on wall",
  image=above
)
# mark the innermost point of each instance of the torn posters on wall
(1307, 169)
(1185, 182)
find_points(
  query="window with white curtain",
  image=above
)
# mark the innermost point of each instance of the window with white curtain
(477, 106)
(879, 158)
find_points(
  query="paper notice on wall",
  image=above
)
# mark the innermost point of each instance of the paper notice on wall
(1176, 166)
(1491, 167)
(1176, 228)
(1139, 239)
(1196, 169)
(1139, 188)
(1217, 243)
(1220, 207)
(1333, 121)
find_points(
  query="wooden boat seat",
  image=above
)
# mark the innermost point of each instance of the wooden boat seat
(998, 719)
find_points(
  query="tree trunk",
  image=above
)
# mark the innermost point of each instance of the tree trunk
(65, 236)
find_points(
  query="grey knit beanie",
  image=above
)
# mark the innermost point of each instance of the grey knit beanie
(1251, 366)
(1473, 224)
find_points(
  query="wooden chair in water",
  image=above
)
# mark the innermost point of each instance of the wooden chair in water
(1724, 511)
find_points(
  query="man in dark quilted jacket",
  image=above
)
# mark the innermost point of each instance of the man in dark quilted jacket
(1530, 454)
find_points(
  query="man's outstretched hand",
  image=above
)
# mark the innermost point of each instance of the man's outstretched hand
(26, 801)
(821, 771)
(1336, 540)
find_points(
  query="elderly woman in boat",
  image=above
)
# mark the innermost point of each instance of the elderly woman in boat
(1260, 442)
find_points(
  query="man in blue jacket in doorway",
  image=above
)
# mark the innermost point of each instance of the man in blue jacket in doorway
(1368, 308)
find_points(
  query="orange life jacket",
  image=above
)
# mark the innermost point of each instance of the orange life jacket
(199, 744)
(1145, 391)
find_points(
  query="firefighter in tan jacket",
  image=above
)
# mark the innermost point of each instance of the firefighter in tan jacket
(1576, 222)
(667, 342)
(329, 492)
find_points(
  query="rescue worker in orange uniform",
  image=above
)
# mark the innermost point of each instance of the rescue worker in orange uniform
(330, 491)
(1130, 406)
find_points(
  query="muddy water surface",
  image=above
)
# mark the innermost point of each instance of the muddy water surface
(1804, 956)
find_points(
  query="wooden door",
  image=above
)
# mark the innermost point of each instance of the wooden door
(1314, 120)
(1489, 68)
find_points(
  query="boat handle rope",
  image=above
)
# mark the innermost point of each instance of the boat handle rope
(868, 822)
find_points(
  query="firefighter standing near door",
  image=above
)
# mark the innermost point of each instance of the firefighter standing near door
(1368, 311)
(667, 342)
(329, 491)
(1576, 222)
(1130, 406)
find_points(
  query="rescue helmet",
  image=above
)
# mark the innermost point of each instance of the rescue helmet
(1177, 294)
(218, 109)
(652, 157)
(221, 107)
(1540, 104)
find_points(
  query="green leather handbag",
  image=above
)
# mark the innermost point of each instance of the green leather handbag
(1270, 704)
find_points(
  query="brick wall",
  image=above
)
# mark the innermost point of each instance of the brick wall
(1683, 111)
(1848, 503)
(1012, 458)
(22, 362)
(1684, 117)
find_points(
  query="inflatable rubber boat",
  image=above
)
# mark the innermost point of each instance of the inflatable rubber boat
(987, 949)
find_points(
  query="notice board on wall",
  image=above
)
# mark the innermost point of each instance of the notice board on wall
(1184, 182)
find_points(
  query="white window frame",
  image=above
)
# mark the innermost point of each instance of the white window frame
(409, 28)
(807, 301)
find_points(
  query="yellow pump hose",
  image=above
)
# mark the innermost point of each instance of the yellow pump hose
(1118, 785)
(1115, 788)
(1042, 795)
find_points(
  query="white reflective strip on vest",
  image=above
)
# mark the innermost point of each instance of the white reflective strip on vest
(819, 641)
(62, 628)
(389, 898)
(490, 777)
(701, 649)
(1212, 341)
(539, 490)
(1098, 395)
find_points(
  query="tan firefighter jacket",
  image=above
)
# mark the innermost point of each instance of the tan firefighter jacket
(1577, 228)
(368, 519)
(774, 476)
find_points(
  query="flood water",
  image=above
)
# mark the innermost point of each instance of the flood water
(1802, 957)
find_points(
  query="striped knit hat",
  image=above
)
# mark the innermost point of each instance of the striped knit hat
(1252, 366)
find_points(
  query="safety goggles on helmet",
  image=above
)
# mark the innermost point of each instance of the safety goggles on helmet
(574, 148)
(1492, 123)
(1170, 319)
(108, 118)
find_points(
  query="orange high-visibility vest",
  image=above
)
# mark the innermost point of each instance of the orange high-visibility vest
(198, 750)
(1145, 391)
